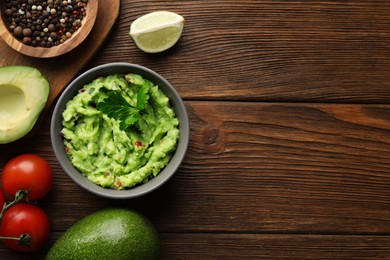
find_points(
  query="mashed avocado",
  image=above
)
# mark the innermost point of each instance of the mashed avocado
(106, 154)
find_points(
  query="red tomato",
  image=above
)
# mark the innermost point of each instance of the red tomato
(26, 219)
(27, 171)
(2, 199)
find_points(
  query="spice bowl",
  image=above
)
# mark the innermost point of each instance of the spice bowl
(79, 85)
(47, 30)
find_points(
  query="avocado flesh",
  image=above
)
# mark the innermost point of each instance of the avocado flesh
(23, 95)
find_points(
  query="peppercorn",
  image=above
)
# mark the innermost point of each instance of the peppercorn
(45, 14)
(18, 32)
(27, 40)
(27, 32)
(51, 27)
(44, 23)
(8, 12)
(53, 35)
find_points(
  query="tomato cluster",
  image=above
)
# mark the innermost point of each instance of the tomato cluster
(24, 226)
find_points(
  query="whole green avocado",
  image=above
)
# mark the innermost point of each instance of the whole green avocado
(114, 233)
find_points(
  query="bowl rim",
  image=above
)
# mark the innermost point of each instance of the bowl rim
(107, 69)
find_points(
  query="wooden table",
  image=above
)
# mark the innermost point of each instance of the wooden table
(289, 156)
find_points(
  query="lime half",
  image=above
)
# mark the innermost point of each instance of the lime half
(157, 31)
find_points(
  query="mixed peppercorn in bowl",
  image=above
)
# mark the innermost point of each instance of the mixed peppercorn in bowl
(46, 28)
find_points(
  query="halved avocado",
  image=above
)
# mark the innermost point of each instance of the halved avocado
(23, 95)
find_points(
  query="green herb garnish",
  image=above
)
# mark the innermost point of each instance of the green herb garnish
(117, 107)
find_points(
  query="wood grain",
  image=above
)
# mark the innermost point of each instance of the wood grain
(255, 246)
(258, 174)
(289, 157)
(260, 246)
(270, 50)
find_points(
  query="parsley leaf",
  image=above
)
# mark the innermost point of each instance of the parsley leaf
(117, 107)
(142, 96)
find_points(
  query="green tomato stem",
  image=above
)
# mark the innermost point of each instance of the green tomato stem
(19, 196)
(23, 239)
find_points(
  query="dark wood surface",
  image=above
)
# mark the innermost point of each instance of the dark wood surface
(61, 70)
(289, 156)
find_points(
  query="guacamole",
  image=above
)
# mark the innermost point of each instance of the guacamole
(107, 151)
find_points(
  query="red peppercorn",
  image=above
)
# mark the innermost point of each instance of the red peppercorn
(31, 18)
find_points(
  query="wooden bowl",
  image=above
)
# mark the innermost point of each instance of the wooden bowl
(41, 52)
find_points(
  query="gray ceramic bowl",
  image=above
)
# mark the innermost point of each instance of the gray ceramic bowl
(103, 70)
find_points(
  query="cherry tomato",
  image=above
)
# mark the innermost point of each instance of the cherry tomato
(30, 172)
(28, 221)
(2, 199)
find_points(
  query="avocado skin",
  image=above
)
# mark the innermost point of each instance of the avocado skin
(113, 233)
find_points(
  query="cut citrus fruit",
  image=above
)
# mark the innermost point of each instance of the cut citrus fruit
(157, 31)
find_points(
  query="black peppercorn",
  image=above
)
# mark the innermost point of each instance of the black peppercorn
(51, 27)
(53, 35)
(8, 12)
(44, 23)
